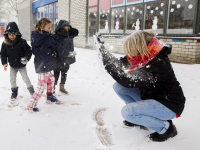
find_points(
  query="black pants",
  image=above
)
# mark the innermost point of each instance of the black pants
(61, 68)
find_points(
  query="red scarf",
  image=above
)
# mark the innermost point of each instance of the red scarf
(154, 47)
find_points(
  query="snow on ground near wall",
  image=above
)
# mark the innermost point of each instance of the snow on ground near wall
(90, 118)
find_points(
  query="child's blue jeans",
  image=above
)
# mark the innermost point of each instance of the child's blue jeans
(149, 113)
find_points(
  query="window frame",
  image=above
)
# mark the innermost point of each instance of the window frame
(119, 5)
(196, 25)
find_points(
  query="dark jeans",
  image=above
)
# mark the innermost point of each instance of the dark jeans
(61, 68)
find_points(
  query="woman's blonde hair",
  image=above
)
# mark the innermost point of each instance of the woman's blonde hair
(40, 24)
(136, 43)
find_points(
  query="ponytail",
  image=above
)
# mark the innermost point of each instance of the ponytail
(40, 24)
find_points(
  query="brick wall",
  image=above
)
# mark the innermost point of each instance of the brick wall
(183, 50)
(25, 19)
(77, 18)
(63, 9)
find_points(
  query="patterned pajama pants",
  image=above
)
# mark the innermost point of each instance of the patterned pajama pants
(45, 80)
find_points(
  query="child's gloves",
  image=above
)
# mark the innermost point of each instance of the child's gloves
(24, 60)
(72, 54)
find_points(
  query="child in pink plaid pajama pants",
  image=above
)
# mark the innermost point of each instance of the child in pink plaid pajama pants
(44, 80)
(45, 49)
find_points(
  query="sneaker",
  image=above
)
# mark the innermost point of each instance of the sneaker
(32, 109)
(52, 99)
(170, 133)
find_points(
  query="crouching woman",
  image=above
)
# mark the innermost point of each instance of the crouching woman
(147, 84)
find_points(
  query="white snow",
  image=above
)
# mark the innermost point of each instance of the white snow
(72, 125)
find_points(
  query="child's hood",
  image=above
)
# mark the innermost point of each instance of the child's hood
(39, 39)
(61, 24)
(12, 28)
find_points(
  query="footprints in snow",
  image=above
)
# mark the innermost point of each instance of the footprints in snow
(103, 133)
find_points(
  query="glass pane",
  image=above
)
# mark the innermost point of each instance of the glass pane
(150, 0)
(181, 16)
(104, 16)
(46, 11)
(51, 11)
(92, 2)
(92, 24)
(134, 17)
(51, 16)
(55, 15)
(117, 20)
(38, 13)
(42, 11)
(117, 2)
(131, 1)
(154, 17)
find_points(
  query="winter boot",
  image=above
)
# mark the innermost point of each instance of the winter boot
(129, 124)
(170, 133)
(14, 93)
(52, 99)
(62, 89)
(31, 90)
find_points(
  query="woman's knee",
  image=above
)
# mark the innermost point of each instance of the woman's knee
(116, 87)
(131, 109)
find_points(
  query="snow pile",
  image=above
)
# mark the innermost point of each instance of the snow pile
(90, 117)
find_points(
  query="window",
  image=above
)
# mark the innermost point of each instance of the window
(154, 16)
(134, 17)
(92, 24)
(164, 17)
(134, 1)
(181, 16)
(104, 16)
(92, 2)
(117, 2)
(55, 15)
(38, 13)
(46, 11)
(117, 20)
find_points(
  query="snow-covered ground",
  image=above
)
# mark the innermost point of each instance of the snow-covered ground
(90, 118)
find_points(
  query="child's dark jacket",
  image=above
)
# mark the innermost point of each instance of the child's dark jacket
(65, 41)
(13, 52)
(45, 49)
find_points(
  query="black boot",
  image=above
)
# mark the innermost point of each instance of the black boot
(14, 93)
(129, 124)
(31, 90)
(170, 133)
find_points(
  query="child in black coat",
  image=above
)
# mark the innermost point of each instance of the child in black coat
(64, 36)
(17, 52)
